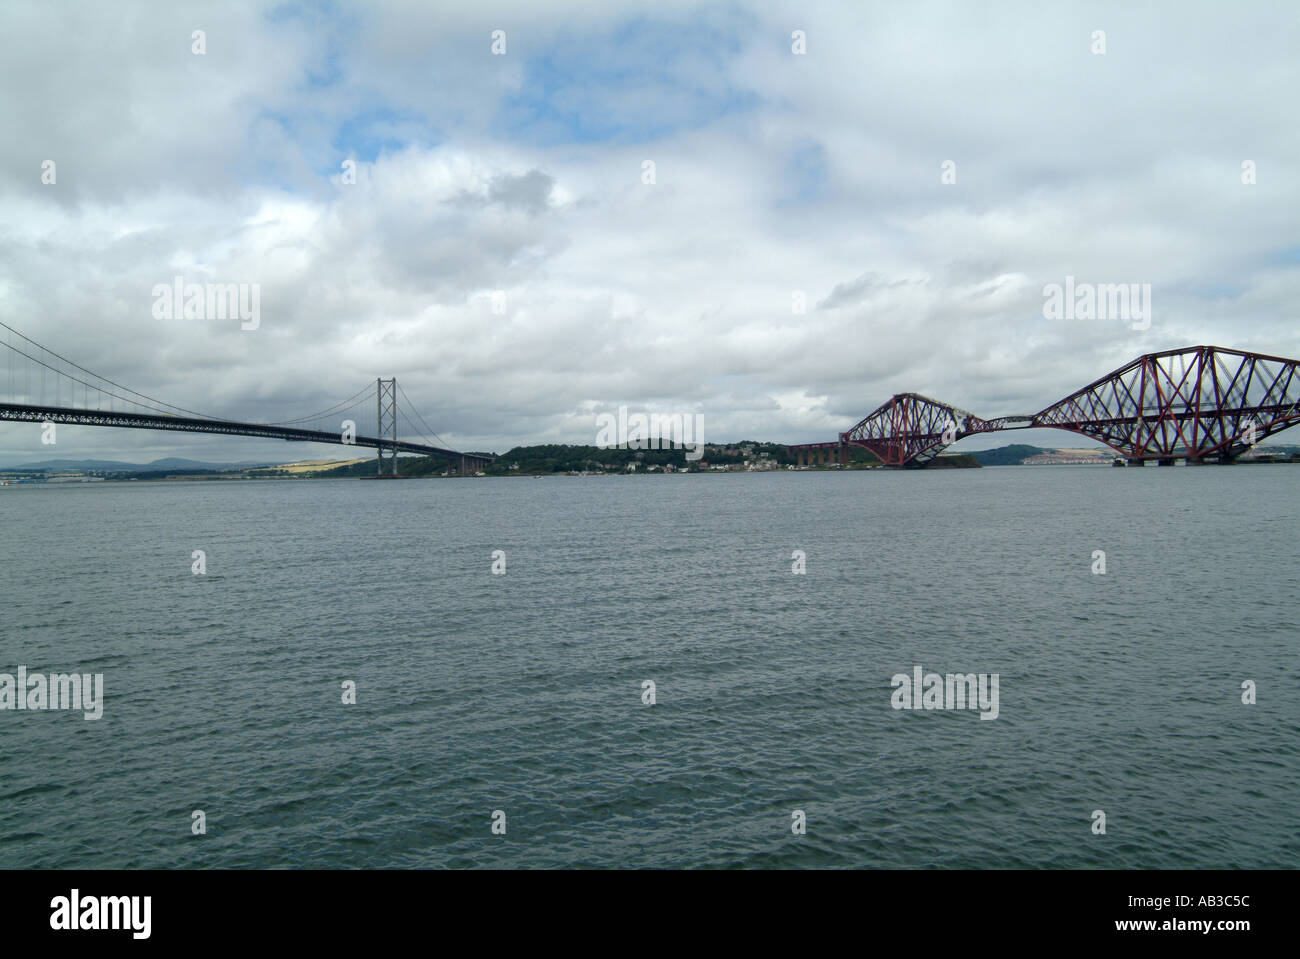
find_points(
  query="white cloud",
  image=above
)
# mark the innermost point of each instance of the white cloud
(818, 173)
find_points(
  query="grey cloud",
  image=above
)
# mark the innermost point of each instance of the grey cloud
(1121, 168)
(530, 192)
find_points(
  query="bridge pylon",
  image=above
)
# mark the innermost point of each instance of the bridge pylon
(386, 399)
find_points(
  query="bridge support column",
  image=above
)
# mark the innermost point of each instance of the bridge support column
(386, 398)
(1137, 462)
(844, 454)
(1166, 461)
(799, 457)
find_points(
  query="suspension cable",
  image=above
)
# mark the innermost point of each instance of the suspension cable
(342, 407)
(162, 407)
(428, 432)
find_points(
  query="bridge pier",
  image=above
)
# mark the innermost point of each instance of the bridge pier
(1166, 461)
(386, 401)
(799, 458)
(844, 454)
(1136, 462)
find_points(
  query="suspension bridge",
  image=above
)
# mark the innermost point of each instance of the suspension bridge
(1199, 404)
(45, 387)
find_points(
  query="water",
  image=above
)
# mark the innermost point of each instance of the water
(522, 692)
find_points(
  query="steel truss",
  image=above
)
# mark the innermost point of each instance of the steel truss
(1195, 403)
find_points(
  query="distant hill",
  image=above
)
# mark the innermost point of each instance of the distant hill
(116, 466)
(1007, 455)
(1016, 455)
(953, 461)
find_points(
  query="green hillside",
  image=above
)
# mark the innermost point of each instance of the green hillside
(1006, 455)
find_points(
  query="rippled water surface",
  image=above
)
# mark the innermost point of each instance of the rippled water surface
(522, 692)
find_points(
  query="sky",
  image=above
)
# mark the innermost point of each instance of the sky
(479, 224)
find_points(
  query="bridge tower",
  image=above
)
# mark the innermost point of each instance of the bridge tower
(386, 397)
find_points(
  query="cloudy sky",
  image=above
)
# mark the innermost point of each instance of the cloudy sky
(776, 175)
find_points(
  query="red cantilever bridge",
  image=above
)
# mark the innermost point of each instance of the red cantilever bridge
(1200, 404)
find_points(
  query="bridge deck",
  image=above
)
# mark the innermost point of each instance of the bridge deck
(157, 421)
